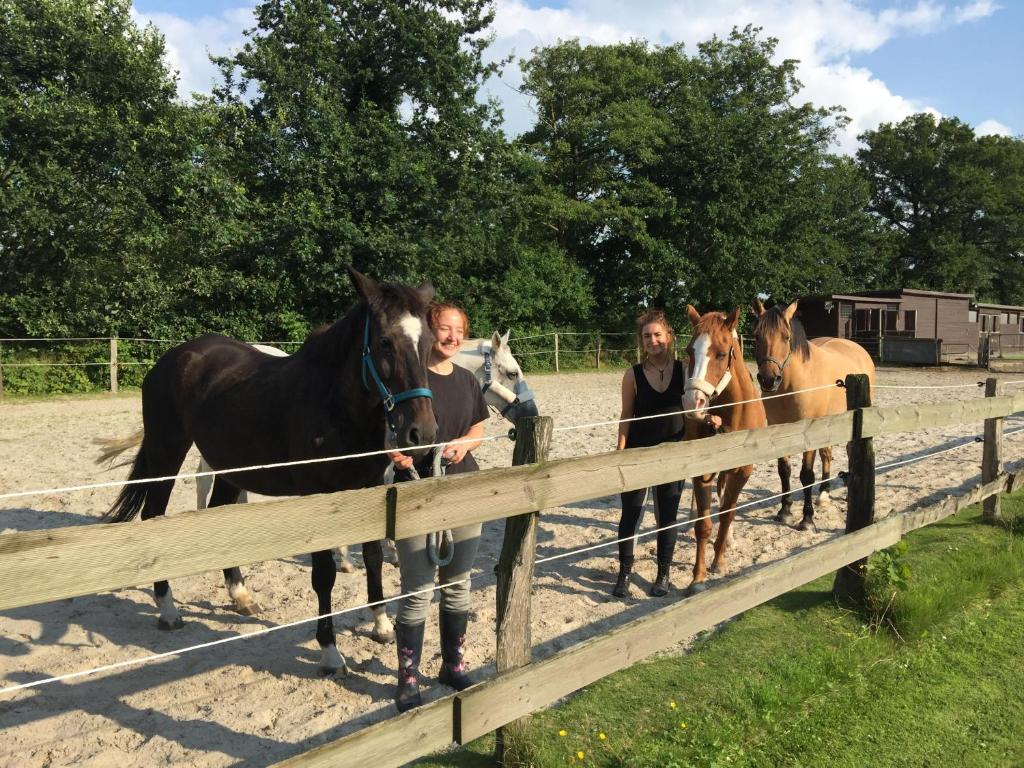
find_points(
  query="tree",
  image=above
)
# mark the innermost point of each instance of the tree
(953, 203)
(674, 178)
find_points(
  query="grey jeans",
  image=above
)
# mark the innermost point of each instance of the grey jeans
(418, 573)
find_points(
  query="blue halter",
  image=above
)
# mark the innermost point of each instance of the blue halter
(389, 400)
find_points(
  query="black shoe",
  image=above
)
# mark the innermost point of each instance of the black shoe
(453, 649)
(409, 639)
(622, 582)
(661, 585)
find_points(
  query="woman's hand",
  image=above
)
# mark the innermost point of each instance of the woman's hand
(400, 460)
(455, 453)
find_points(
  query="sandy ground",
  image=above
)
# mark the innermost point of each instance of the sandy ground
(259, 701)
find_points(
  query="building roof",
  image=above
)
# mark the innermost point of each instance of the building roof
(986, 305)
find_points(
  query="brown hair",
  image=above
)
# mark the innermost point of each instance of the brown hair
(655, 316)
(444, 306)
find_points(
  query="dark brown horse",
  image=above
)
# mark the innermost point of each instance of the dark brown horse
(359, 385)
(717, 376)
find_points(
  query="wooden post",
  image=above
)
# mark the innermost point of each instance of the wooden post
(983, 351)
(515, 580)
(113, 363)
(860, 498)
(556, 353)
(598, 365)
(640, 355)
(992, 461)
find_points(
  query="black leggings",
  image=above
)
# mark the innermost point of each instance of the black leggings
(666, 508)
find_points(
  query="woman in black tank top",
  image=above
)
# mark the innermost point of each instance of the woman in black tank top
(652, 387)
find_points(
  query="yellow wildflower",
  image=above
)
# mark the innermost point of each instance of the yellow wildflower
(672, 704)
(562, 732)
(601, 736)
(579, 755)
(682, 725)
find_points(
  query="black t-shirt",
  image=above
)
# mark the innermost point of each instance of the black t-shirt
(458, 405)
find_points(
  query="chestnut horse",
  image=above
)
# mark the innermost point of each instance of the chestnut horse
(788, 362)
(717, 376)
(360, 385)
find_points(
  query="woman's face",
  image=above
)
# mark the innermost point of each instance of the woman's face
(656, 339)
(449, 333)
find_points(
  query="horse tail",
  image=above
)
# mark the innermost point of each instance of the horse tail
(111, 447)
(132, 497)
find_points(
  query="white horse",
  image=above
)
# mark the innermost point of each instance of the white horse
(505, 390)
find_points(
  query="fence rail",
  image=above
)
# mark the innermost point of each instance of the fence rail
(45, 565)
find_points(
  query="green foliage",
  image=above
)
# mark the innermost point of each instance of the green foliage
(888, 573)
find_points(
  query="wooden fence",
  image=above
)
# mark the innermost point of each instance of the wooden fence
(44, 565)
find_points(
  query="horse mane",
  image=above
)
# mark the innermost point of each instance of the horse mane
(774, 321)
(328, 342)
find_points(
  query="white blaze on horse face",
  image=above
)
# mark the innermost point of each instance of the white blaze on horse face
(694, 398)
(413, 327)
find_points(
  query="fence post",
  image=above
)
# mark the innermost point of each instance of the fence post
(860, 497)
(598, 365)
(113, 363)
(515, 580)
(992, 461)
(556, 353)
(983, 351)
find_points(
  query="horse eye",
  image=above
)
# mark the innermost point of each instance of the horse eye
(385, 343)
(785, 338)
(720, 355)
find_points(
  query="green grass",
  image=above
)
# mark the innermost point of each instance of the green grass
(801, 682)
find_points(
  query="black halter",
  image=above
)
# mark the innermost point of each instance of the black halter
(782, 365)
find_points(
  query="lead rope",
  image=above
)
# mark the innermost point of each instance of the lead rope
(440, 544)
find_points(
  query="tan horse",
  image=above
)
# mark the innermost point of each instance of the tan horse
(788, 362)
(717, 376)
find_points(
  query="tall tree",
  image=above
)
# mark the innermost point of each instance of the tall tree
(954, 203)
(675, 178)
(365, 142)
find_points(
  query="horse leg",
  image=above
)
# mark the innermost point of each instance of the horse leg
(826, 475)
(702, 487)
(323, 582)
(162, 459)
(343, 563)
(807, 480)
(226, 493)
(735, 480)
(787, 501)
(373, 560)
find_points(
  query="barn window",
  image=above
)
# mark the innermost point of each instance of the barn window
(972, 316)
(891, 318)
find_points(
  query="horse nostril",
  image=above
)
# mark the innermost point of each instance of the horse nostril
(414, 436)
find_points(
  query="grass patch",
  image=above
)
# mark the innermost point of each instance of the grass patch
(800, 682)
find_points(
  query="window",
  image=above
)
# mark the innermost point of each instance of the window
(972, 316)
(891, 318)
(910, 321)
(1005, 318)
(867, 320)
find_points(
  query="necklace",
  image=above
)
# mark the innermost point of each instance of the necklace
(661, 371)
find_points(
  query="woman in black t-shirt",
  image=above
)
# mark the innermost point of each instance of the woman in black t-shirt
(461, 412)
(649, 388)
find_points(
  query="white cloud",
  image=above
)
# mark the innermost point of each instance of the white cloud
(992, 128)
(190, 43)
(824, 35)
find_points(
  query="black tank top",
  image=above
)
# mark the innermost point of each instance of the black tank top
(650, 401)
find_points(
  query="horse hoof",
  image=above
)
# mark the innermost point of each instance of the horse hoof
(168, 626)
(807, 524)
(716, 568)
(695, 589)
(249, 610)
(346, 567)
(342, 671)
(383, 637)
(783, 516)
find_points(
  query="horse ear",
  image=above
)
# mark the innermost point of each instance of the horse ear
(366, 287)
(426, 291)
(733, 319)
(496, 341)
(504, 339)
(693, 314)
(791, 310)
(757, 307)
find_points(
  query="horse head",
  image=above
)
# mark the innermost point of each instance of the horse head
(501, 378)
(389, 328)
(713, 347)
(777, 334)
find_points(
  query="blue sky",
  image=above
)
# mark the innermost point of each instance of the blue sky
(882, 60)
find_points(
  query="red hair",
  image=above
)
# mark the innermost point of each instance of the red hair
(437, 308)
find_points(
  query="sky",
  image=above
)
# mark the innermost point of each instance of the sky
(881, 59)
